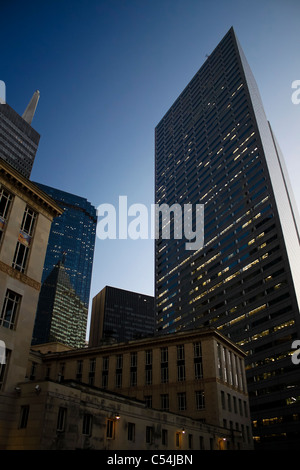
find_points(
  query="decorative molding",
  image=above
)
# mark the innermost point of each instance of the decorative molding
(10, 271)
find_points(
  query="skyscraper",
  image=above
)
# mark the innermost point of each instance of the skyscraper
(215, 147)
(71, 242)
(62, 315)
(18, 140)
(121, 315)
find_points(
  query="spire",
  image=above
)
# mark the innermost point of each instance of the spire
(30, 110)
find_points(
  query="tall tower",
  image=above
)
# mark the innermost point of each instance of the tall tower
(71, 240)
(18, 140)
(215, 147)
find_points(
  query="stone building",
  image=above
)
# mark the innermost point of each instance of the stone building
(197, 374)
(26, 214)
(78, 416)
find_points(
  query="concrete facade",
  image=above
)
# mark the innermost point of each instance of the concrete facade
(215, 395)
(16, 325)
(81, 417)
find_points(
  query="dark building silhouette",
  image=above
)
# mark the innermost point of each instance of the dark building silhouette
(215, 147)
(121, 315)
(18, 140)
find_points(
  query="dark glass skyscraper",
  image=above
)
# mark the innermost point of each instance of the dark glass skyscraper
(215, 147)
(72, 242)
(121, 315)
(18, 140)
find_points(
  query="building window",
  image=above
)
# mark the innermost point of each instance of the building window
(28, 221)
(10, 309)
(198, 368)
(178, 439)
(110, 429)
(180, 372)
(190, 441)
(20, 257)
(92, 371)
(133, 369)
(79, 370)
(200, 402)
(33, 371)
(148, 400)
(105, 367)
(164, 437)
(180, 363)
(223, 400)
(61, 372)
(119, 371)
(149, 434)
(5, 203)
(24, 240)
(164, 355)
(181, 397)
(87, 424)
(164, 402)
(24, 416)
(164, 365)
(180, 352)
(131, 432)
(148, 367)
(148, 357)
(61, 419)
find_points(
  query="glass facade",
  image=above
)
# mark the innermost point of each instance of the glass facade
(72, 242)
(121, 315)
(214, 147)
(18, 140)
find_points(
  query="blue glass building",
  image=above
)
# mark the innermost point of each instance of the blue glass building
(72, 242)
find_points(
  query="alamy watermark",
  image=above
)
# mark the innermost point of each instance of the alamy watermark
(296, 94)
(187, 221)
(296, 354)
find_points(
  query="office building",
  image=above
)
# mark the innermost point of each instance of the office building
(26, 215)
(18, 140)
(199, 375)
(62, 315)
(215, 147)
(71, 246)
(121, 315)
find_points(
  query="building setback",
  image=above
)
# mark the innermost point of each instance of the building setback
(121, 315)
(71, 246)
(18, 140)
(215, 147)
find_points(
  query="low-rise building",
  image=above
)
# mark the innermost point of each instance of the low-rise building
(198, 374)
(70, 416)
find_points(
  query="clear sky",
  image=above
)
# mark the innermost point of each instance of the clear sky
(108, 70)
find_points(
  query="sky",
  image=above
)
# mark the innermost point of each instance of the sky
(108, 71)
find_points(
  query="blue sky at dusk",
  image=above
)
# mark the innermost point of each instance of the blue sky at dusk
(109, 70)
